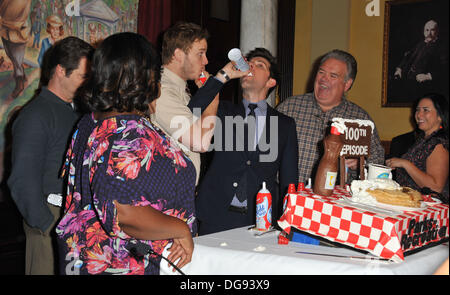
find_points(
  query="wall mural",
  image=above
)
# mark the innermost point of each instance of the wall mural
(29, 27)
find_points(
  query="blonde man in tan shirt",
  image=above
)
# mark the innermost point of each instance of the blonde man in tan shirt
(184, 58)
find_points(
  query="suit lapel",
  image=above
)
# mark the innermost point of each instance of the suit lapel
(240, 140)
(265, 136)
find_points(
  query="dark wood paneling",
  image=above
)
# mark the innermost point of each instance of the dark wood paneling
(285, 55)
(224, 35)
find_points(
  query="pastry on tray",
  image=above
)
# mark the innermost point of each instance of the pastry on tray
(405, 196)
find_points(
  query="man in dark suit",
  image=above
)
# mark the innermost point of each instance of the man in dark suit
(423, 68)
(253, 144)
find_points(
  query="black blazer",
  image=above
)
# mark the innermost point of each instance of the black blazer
(276, 165)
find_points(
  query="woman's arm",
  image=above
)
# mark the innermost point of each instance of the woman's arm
(147, 223)
(436, 169)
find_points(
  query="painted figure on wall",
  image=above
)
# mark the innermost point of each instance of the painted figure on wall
(55, 28)
(29, 27)
(15, 32)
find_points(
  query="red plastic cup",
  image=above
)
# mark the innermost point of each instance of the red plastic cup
(291, 189)
(202, 78)
(282, 239)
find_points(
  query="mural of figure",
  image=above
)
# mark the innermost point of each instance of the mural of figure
(92, 33)
(24, 25)
(36, 25)
(56, 30)
(102, 32)
(15, 33)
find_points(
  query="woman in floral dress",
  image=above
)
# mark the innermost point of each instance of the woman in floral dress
(130, 187)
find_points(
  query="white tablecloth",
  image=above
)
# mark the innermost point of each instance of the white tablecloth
(240, 252)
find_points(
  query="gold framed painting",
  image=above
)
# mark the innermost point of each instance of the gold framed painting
(415, 51)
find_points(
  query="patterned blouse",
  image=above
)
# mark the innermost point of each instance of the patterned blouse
(123, 158)
(418, 154)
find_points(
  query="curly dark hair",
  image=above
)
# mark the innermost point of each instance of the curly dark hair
(125, 75)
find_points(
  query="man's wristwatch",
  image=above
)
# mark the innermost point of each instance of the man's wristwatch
(222, 72)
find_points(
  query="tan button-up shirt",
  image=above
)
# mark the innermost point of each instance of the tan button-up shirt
(172, 114)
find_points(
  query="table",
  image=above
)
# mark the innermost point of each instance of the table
(240, 252)
(387, 233)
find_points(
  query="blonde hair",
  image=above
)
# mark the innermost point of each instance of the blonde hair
(54, 21)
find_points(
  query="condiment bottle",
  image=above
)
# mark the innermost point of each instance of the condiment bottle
(328, 166)
(263, 209)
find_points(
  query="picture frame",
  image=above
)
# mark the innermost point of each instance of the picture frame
(415, 51)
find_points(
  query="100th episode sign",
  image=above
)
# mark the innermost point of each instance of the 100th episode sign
(356, 140)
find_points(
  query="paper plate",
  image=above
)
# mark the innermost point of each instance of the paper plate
(423, 206)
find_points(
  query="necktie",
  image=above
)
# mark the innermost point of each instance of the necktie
(253, 131)
(241, 191)
(252, 107)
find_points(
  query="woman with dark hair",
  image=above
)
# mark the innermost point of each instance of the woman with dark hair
(425, 166)
(130, 188)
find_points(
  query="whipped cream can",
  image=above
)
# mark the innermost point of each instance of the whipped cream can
(263, 209)
(235, 55)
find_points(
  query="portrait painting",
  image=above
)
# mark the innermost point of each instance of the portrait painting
(415, 52)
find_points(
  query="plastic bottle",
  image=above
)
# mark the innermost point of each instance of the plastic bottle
(236, 56)
(263, 209)
(328, 166)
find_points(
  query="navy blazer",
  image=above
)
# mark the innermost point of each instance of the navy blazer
(277, 166)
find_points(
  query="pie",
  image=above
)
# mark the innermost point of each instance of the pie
(405, 196)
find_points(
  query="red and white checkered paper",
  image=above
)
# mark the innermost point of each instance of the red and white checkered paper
(376, 233)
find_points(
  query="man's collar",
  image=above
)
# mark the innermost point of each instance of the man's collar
(262, 104)
(173, 77)
(341, 104)
(50, 94)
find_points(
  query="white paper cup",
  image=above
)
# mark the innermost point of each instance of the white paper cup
(379, 171)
